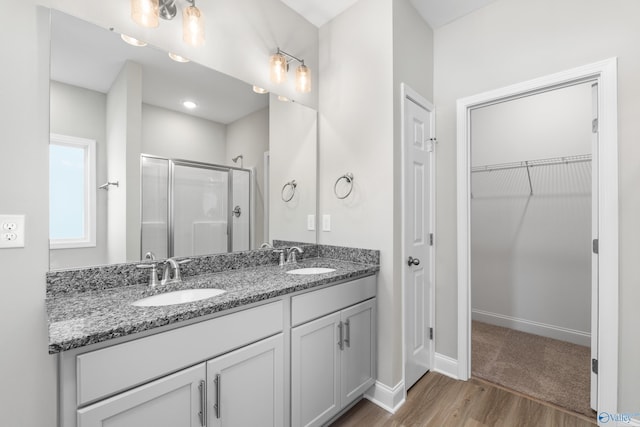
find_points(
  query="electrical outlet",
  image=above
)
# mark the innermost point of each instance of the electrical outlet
(11, 231)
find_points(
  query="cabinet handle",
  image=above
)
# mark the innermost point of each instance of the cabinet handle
(341, 342)
(347, 339)
(203, 403)
(216, 405)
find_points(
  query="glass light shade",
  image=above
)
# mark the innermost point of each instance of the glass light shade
(145, 13)
(278, 66)
(303, 79)
(193, 26)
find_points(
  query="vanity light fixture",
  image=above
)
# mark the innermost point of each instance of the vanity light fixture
(147, 13)
(260, 90)
(178, 58)
(189, 104)
(133, 42)
(279, 66)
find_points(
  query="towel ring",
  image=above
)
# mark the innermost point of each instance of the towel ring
(293, 186)
(347, 177)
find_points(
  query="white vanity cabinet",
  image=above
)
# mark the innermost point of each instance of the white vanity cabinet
(168, 379)
(246, 387)
(333, 356)
(175, 400)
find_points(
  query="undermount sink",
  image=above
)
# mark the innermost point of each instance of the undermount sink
(311, 270)
(178, 297)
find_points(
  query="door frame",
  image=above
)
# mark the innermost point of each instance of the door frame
(407, 93)
(605, 73)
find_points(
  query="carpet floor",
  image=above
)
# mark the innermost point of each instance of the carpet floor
(553, 371)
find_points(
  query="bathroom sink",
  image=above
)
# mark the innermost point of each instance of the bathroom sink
(177, 297)
(311, 270)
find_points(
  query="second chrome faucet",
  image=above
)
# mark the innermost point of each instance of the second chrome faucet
(170, 273)
(288, 255)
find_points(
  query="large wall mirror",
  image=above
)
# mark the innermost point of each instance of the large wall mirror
(134, 170)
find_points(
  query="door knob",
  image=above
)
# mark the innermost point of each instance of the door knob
(413, 261)
(236, 211)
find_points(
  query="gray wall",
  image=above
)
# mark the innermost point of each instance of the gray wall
(510, 41)
(365, 53)
(531, 255)
(27, 372)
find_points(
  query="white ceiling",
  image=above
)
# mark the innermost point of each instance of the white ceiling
(435, 12)
(91, 57)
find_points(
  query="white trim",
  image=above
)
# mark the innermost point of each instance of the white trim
(406, 92)
(387, 398)
(446, 366)
(605, 72)
(89, 145)
(532, 327)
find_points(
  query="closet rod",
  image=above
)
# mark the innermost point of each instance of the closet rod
(530, 163)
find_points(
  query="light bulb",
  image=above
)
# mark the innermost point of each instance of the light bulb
(279, 67)
(303, 79)
(193, 26)
(189, 104)
(145, 13)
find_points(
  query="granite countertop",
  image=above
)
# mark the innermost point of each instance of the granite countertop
(85, 318)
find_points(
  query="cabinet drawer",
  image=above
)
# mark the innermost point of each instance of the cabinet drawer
(316, 304)
(107, 371)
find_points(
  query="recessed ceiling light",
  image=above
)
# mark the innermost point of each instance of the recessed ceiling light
(177, 57)
(133, 42)
(189, 104)
(258, 89)
(283, 98)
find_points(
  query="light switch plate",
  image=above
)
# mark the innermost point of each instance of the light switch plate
(326, 222)
(11, 231)
(311, 222)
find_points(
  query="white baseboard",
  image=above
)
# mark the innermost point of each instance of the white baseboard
(389, 399)
(634, 422)
(446, 365)
(537, 328)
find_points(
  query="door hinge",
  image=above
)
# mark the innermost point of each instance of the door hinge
(594, 126)
(430, 239)
(596, 246)
(430, 333)
(594, 366)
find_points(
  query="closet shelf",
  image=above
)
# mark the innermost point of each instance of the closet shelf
(528, 163)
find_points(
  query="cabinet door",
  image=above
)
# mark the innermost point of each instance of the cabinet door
(246, 387)
(358, 355)
(174, 400)
(315, 371)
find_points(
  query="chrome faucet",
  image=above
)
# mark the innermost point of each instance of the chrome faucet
(291, 258)
(171, 273)
(266, 245)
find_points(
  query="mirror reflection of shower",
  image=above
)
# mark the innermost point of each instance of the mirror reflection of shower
(188, 208)
(239, 157)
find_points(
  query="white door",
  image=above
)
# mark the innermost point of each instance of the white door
(246, 387)
(174, 400)
(315, 371)
(418, 148)
(358, 352)
(594, 254)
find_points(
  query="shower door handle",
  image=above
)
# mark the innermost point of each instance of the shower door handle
(236, 212)
(413, 261)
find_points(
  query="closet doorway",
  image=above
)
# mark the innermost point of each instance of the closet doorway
(531, 234)
(604, 288)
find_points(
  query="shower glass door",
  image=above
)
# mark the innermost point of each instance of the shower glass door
(200, 214)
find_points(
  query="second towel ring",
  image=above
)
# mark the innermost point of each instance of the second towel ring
(347, 177)
(293, 186)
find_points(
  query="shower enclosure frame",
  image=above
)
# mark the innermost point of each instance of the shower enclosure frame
(172, 163)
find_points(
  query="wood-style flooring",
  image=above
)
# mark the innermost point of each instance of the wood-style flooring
(437, 400)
